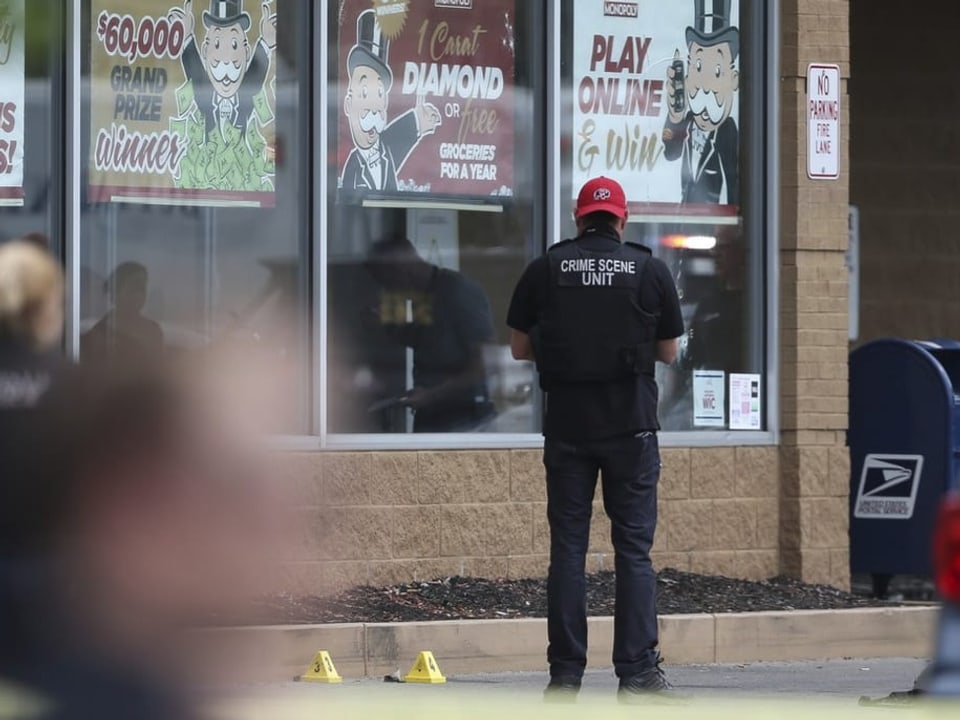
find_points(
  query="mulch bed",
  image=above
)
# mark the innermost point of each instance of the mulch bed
(459, 598)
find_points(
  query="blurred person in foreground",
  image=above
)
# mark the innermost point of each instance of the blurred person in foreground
(31, 326)
(450, 324)
(139, 517)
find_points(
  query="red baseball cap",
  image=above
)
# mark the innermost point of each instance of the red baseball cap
(601, 194)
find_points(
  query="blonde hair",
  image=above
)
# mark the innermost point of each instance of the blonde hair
(31, 294)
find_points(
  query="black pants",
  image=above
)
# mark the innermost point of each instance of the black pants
(630, 469)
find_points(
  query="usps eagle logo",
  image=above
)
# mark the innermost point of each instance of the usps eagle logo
(888, 487)
(601, 194)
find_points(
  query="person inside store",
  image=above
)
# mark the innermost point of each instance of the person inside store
(31, 326)
(596, 314)
(39, 239)
(716, 335)
(449, 324)
(125, 336)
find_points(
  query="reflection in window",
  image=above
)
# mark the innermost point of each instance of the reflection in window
(434, 211)
(669, 107)
(416, 341)
(124, 335)
(710, 264)
(444, 318)
(198, 242)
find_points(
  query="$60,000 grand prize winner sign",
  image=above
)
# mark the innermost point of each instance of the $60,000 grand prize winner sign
(183, 102)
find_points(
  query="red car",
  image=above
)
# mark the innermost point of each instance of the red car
(944, 674)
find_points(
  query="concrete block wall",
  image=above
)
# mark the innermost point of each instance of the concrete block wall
(386, 517)
(813, 308)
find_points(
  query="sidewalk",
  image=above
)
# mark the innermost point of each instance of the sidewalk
(841, 680)
(484, 646)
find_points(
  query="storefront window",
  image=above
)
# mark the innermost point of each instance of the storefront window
(435, 207)
(199, 230)
(667, 99)
(195, 189)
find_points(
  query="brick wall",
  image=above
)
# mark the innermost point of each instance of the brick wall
(905, 162)
(382, 518)
(813, 312)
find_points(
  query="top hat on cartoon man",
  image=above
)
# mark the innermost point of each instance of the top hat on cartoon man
(712, 26)
(371, 48)
(224, 13)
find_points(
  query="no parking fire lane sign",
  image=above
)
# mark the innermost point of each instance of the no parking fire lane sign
(823, 122)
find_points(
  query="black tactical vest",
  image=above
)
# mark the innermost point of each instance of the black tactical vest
(593, 328)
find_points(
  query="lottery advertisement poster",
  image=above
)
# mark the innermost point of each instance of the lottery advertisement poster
(656, 103)
(12, 100)
(183, 102)
(426, 103)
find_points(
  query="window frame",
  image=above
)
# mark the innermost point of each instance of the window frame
(73, 174)
(74, 165)
(766, 219)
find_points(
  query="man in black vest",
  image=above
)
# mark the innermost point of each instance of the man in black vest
(596, 313)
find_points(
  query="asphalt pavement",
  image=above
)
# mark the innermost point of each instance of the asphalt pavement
(832, 679)
(788, 691)
(850, 678)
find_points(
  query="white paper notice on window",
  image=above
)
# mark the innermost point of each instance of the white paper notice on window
(745, 405)
(708, 398)
(11, 102)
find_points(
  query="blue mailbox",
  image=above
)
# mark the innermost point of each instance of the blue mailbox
(904, 440)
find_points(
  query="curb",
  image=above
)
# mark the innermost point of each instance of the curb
(271, 654)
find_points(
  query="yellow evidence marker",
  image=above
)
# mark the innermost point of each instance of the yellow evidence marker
(321, 670)
(425, 670)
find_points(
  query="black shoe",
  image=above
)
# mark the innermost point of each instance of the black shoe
(562, 689)
(650, 686)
